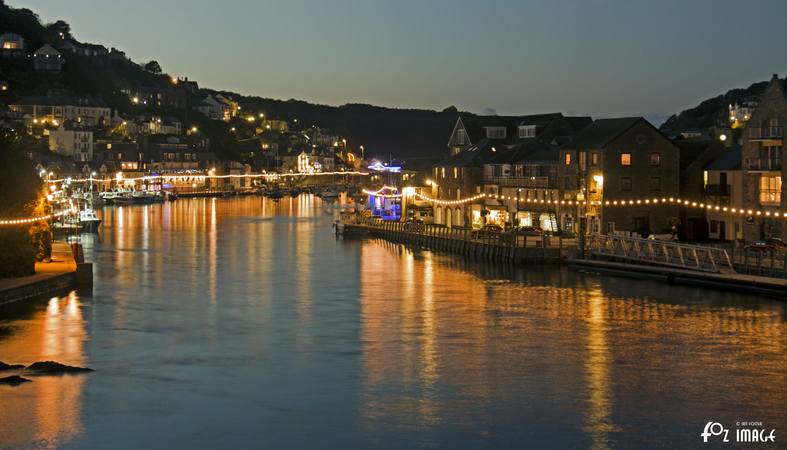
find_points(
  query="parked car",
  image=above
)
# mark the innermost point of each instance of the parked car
(528, 231)
(766, 245)
(664, 237)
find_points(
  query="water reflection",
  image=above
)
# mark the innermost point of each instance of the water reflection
(243, 322)
(48, 410)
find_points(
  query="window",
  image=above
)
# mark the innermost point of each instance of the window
(461, 136)
(625, 159)
(456, 172)
(527, 131)
(594, 159)
(655, 184)
(566, 184)
(497, 171)
(442, 173)
(495, 132)
(625, 183)
(770, 189)
(567, 158)
(655, 159)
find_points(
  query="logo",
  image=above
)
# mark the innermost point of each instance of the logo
(747, 432)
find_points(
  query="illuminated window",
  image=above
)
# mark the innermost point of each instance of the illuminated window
(456, 172)
(442, 172)
(770, 189)
(655, 159)
(567, 159)
(625, 159)
(594, 159)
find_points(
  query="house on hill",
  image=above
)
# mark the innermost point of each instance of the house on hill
(48, 59)
(12, 46)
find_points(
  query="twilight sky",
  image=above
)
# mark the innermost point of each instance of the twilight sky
(601, 57)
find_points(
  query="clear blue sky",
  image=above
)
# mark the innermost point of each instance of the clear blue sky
(601, 57)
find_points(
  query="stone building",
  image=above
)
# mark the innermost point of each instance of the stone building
(619, 159)
(763, 169)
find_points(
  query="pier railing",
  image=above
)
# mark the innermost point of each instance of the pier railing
(484, 243)
(662, 253)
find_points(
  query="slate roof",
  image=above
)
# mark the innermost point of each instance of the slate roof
(729, 160)
(60, 100)
(530, 151)
(601, 132)
(475, 156)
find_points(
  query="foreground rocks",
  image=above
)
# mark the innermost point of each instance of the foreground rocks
(14, 380)
(4, 366)
(54, 368)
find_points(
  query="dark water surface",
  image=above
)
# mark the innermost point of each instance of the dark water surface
(243, 323)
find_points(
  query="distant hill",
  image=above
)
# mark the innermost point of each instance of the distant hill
(414, 134)
(419, 136)
(713, 112)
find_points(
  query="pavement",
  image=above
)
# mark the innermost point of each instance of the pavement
(62, 262)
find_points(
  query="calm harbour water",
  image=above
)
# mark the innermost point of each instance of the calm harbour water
(243, 323)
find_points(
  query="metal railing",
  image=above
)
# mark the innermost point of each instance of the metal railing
(661, 253)
(524, 182)
(763, 164)
(775, 132)
(720, 190)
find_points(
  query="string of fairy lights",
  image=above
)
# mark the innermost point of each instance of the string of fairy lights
(29, 220)
(120, 177)
(605, 203)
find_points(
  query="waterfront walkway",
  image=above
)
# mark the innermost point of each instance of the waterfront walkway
(56, 275)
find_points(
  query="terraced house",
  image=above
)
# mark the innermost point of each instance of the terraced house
(762, 153)
(493, 154)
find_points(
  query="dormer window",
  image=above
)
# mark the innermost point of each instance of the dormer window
(461, 136)
(527, 131)
(495, 132)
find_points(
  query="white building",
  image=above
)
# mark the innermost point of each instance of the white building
(48, 59)
(73, 142)
(56, 110)
(219, 107)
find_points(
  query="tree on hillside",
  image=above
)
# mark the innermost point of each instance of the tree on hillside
(153, 67)
(58, 30)
(21, 195)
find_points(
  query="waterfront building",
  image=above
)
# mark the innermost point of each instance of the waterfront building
(84, 49)
(619, 159)
(762, 154)
(522, 178)
(723, 180)
(695, 156)
(476, 141)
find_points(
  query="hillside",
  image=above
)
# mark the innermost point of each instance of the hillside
(713, 112)
(416, 135)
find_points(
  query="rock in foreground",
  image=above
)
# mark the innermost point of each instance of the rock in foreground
(4, 366)
(14, 380)
(55, 368)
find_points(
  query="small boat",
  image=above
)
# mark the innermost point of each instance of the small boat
(294, 192)
(89, 221)
(274, 194)
(329, 193)
(170, 196)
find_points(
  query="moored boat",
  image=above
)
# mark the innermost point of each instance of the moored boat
(89, 221)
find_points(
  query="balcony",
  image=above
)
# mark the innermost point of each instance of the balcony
(717, 190)
(522, 182)
(763, 164)
(765, 133)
